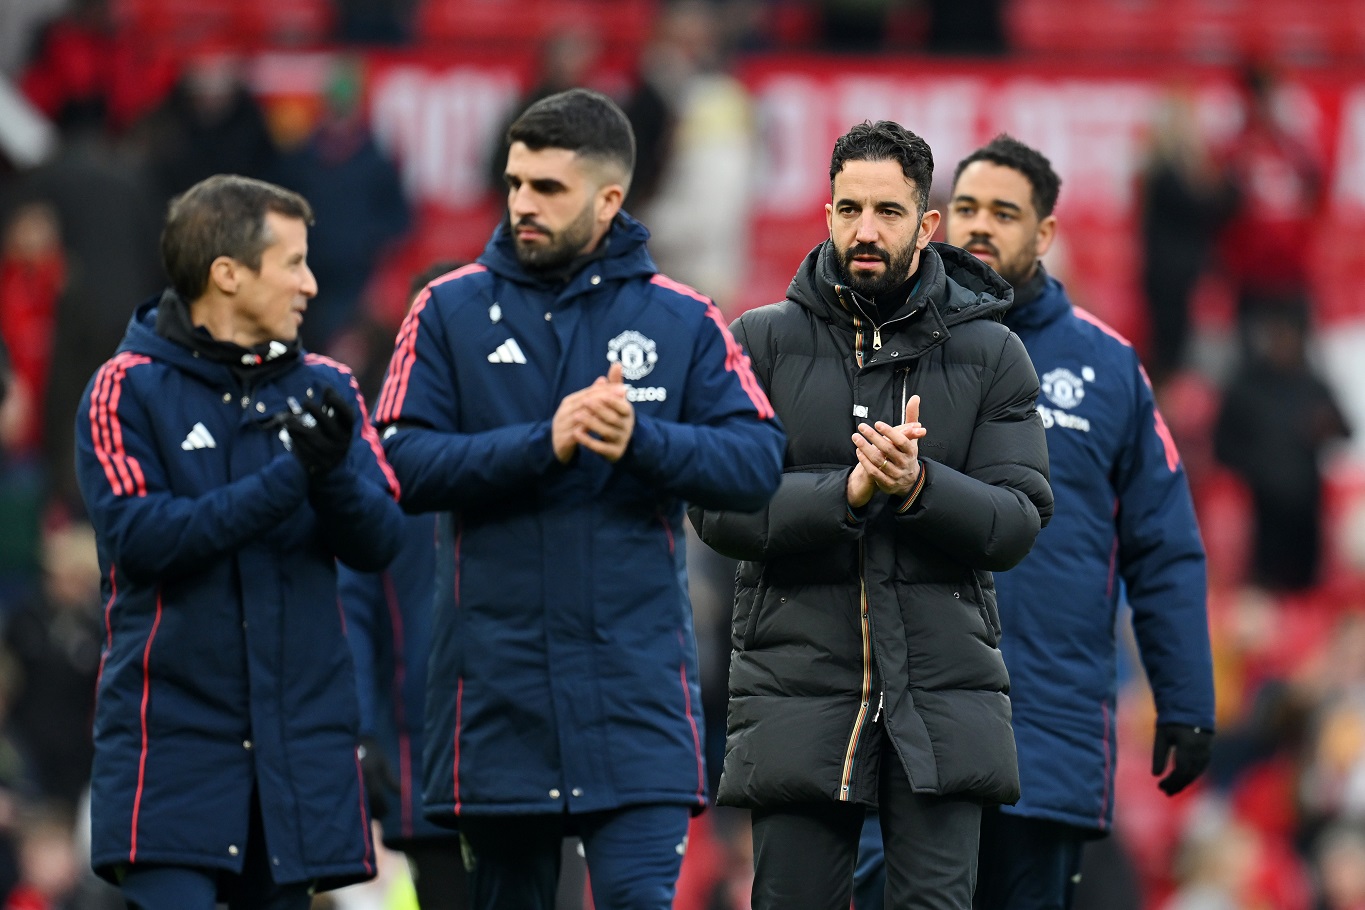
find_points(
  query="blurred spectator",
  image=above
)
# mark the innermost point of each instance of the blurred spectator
(1278, 186)
(374, 21)
(32, 272)
(1340, 862)
(209, 124)
(854, 25)
(1183, 202)
(698, 213)
(16, 779)
(108, 224)
(55, 641)
(357, 197)
(1276, 420)
(966, 27)
(50, 873)
(566, 60)
(1215, 861)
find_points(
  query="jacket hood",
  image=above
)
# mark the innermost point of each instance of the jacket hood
(952, 281)
(622, 254)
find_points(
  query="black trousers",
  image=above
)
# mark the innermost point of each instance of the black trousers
(1028, 863)
(804, 855)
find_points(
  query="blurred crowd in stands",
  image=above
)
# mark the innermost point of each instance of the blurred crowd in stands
(113, 106)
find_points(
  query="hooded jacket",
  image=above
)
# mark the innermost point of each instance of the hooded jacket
(225, 671)
(843, 625)
(563, 669)
(1125, 525)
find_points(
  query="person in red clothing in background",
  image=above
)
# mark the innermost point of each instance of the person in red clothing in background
(1277, 184)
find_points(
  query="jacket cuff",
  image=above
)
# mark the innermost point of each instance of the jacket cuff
(914, 491)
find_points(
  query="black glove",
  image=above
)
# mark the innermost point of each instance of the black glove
(1192, 747)
(379, 777)
(320, 434)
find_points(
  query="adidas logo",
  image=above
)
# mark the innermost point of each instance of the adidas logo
(508, 352)
(199, 438)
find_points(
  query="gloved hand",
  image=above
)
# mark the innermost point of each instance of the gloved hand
(1192, 747)
(320, 434)
(379, 777)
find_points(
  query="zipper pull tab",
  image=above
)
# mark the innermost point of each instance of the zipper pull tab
(881, 700)
(876, 338)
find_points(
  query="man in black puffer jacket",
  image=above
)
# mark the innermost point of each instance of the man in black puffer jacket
(865, 669)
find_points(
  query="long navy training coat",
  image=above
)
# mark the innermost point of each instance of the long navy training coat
(1124, 519)
(563, 667)
(225, 666)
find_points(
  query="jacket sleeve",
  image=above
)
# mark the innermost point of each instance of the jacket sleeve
(363, 602)
(1161, 559)
(356, 502)
(809, 509)
(989, 514)
(148, 531)
(441, 468)
(726, 449)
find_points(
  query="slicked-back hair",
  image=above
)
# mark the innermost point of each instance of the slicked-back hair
(585, 122)
(887, 140)
(222, 215)
(1007, 151)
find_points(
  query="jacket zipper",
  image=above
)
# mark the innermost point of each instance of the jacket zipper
(846, 778)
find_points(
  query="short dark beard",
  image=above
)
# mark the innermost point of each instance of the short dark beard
(562, 248)
(898, 267)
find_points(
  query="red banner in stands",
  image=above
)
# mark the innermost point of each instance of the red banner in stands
(439, 117)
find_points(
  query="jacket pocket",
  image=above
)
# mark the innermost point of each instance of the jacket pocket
(746, 624)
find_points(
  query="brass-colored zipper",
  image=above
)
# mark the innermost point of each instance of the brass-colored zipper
(846, 778)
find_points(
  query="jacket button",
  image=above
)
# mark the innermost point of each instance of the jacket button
(232, 849)
(956, 594)
(275, 860)
(260, 407)
(936, 334)
(549, 316)
(554, 794)
(227, 397)
(595, 280)
(782, 600)
(577, 791)
(246, 402)
(246, 744)
(895, 353)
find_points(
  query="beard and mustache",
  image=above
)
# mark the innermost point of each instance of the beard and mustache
(558, 249)
(897, 269)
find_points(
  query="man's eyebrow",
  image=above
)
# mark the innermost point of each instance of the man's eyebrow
(883, 204)
(995, 203)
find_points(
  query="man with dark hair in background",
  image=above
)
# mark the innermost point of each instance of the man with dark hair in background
(226, 473)
(865, 670)
(1124, 529)
(556, 402)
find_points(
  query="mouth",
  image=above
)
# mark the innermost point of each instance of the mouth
(530, 233)
(982, 250)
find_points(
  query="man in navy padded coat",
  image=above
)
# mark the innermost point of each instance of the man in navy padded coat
(1124, 521)
(226, 472)
(558, 402)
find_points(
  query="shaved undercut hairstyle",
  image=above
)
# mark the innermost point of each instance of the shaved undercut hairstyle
(585, 122)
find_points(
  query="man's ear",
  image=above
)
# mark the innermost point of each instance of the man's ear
(609, 201)
(927, 226)
(225, 274)
(1047, 232)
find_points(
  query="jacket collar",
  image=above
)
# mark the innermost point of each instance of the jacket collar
(1049, 305)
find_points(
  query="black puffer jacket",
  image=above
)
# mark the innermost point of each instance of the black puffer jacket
(812, 673)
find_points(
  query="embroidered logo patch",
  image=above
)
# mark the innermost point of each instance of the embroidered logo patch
(634, 352)
(1063, 388)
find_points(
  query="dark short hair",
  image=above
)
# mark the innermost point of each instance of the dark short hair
(886, 140)
(585, 122)
(1007, 151)
(223, 215)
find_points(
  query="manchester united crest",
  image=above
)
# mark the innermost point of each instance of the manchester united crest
(634, 352)
(1063, 388)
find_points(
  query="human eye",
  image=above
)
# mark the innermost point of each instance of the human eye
(1006, 216)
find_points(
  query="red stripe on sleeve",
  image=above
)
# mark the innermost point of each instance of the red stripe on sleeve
(367, 430)
(736, 361)
(122, 470)
(395, 389)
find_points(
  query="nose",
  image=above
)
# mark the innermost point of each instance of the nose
(309, 288)
(521, 201)
(867, 227)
